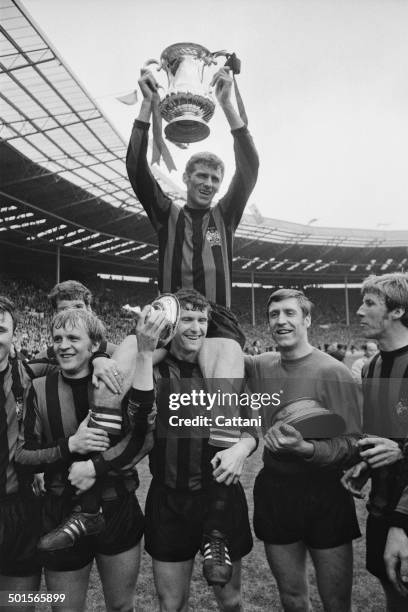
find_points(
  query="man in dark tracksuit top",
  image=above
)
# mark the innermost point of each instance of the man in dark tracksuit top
(19, 510)
(300, 506)
(384, 317)
(196, 241)
(55, 434)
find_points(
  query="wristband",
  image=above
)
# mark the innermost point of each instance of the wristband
(398, 519)
(140, 400)
(139, 396)
(101, 466)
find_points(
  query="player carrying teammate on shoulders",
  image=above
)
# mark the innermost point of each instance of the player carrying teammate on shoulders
(195, 251)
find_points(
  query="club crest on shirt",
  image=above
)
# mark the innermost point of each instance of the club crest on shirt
(401, 409)
(19, 409)
(213, 236)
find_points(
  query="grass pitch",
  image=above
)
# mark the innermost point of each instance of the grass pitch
(258, 586)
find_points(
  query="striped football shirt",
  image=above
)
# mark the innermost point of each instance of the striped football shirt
(181, 455)
(195, 246)
(178, 460)
(54, 408)
(385, 389)
(14, 381)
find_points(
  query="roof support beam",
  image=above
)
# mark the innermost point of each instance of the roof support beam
(65, 220)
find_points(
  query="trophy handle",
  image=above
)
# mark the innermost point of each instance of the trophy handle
(151, 61)
(218, 53)
(232, 62)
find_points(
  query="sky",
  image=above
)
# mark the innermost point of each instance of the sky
(324, 82)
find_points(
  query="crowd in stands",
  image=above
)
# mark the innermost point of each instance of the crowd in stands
(328, 327)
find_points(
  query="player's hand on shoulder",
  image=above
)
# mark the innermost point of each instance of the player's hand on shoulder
(106, 370)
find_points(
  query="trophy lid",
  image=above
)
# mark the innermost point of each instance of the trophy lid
(176, 50)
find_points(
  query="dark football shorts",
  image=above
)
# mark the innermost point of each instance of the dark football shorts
(175, 520)
(376, 539)
(315, 509)
(19, 533)
(124, 529)
(224, 324)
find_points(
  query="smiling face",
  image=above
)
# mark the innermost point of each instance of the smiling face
(73, 349)
(6, 337)
(202, 185)
(289, 327)
(190, 334)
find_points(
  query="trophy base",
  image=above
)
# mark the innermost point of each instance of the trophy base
(186, 129)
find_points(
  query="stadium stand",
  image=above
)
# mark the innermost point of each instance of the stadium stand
(30, 297)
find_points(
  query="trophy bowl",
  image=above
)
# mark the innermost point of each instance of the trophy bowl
(167, 303)
(188, 105)
(311, 419)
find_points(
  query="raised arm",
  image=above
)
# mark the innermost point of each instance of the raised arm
(222, 82)
(145, 186)
(233, 203)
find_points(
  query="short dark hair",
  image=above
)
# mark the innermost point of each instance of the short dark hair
(73, 317)
(70, 290)
(209, 159)
(193, 298)
(284, 294)
(392, 288)
(7, 305)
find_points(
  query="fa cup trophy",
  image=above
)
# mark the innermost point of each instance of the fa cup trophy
(170, 306)
(188, 105)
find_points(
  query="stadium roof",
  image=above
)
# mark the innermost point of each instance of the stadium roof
(64, 183)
